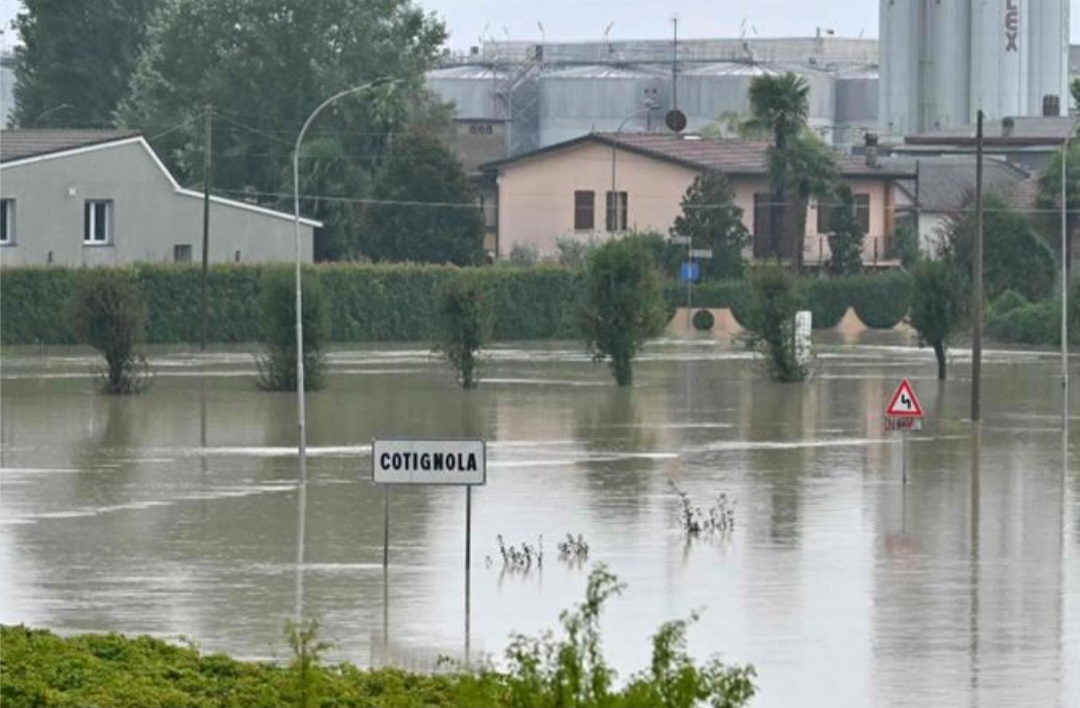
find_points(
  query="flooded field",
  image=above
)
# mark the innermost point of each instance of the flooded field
(176, 513)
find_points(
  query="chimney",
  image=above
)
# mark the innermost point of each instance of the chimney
(871, 150)
(1007, 125)
(1051, 105)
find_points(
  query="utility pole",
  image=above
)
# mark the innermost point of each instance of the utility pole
(206, 226)
(675, 63)
(977, 297)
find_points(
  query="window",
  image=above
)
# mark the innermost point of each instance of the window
(7, 222)
(862, 214)
(763, 225)
(615, 218)
(181, 253)
(584, 211)
(97, 221)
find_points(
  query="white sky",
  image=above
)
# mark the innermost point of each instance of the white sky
(467, 20)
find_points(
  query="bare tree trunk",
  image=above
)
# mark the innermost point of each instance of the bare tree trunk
(939, 352)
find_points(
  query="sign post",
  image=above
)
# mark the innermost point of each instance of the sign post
(904, 413)
(444, 462)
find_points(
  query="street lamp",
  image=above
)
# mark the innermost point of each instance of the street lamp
(1065, 268)
(613, 205)
(300, 418)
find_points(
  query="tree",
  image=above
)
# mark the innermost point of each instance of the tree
(263, 66)
(75, 60)
(1074, 89)
(277, 364)
(465, 321)
(811, 171)
(938, 306)
(420, 170)
(1014, 257)
(780, 104)
(770, 323)
(624, 303)
(110, 316)
(845, 235)
(1049, 199)
(710, 219)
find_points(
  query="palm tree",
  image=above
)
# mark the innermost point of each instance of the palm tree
(779, 103)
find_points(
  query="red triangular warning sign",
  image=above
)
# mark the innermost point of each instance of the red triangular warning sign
(904, 404)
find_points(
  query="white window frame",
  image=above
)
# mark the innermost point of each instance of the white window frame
(90, 226)
(8, 215)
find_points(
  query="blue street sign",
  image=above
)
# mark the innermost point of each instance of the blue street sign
(688, 272)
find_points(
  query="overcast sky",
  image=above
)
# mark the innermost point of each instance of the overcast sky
(468, 20)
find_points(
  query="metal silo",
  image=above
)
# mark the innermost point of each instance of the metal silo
(899, 62)
(856, 105)
(999, 39)
(595, 97)
(945, 65)
(1048, 66)
(707, 91)
(473, 89)
(822, 101)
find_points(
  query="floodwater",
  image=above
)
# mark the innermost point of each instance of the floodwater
(176, 513)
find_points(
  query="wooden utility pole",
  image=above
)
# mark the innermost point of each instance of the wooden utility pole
(206, 227)
(977, 297)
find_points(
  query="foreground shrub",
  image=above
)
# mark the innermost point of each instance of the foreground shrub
(703, 320)
(624, 303)
(277, 364)
(940, 302)
(464, 327)
(881, 301)
(827, 299)
(771, 323)
(109, 316)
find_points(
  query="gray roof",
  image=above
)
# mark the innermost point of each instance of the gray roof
(20, 144)
(732, 157)
(1026, 130)
(946, 183)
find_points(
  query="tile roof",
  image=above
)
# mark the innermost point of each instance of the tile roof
(1025, 130)
(19, 144)
(733, 157)
(946, 183)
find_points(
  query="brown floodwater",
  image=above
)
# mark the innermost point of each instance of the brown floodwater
(176, 513)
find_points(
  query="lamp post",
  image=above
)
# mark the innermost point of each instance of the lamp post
(300, 416)
(613, 206)
(1065, 269)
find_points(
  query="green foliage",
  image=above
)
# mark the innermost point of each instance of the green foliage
(771, 323)
(75, 59)
(845, 235)
(881, 300)
(1074, 89)
(906, 245)
(109, 316)
(1014, 258)
(573, 252)
(41, 670)
(524, 255)
(780, 103)
(711, 220)
(624, 303)
(1049, 199)
(464, 326)
(277, 365)
(421, 171)
(808, 166)
(703, 320)
(939, 304)
(367, 303)
(667, 255)
(264, 65)
(827, 299)
(1006, 302)
(1034, 323)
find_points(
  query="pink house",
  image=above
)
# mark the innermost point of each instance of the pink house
(602, 184)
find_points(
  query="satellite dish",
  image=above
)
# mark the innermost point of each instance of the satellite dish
(675, 120)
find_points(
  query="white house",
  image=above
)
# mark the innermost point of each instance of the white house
(93, 197)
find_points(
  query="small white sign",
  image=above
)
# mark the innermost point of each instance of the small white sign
(428, 462)
(680, 240)
(701, 253)
(804, 321)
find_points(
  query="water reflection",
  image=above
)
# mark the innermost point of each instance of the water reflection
(178, 513)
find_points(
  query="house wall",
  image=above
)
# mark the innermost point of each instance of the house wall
(149, 216)
(536, 200)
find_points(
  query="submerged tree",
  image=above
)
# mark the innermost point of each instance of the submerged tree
(845, 235)
(277, 364)
(464, 327)
(624, 303)
(110, 316)
(938, 307)
(770, 323)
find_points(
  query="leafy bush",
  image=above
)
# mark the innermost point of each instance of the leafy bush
(939, 306)
(703, 320)
(109, 316)
(881, 301)
(464, 326)
(524, 255)
(771, 323)
(624, 303)
(845, 235)
(1006, 302)
(277, 365)
(827, 299)
(573, 252)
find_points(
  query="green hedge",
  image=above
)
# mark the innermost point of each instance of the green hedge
(1012, 319)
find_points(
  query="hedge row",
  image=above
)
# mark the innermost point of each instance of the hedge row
(881, 300)
(367, 302)
(371, 303)
(1013, 319)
